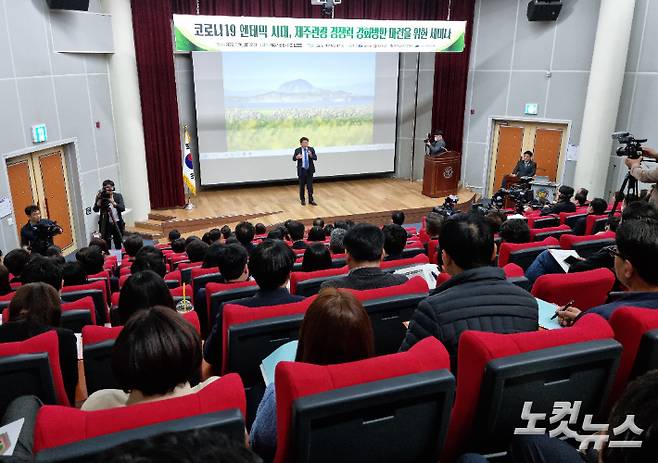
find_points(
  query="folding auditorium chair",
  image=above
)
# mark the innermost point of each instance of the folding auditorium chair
(636, 329)
(388, 308)
(413, 250)
(540, 234)
(199, 278)
(96, 290)
(31, 367)
(308, 283)
(97, 343)
(77, 314)
(523, 254)
(538, 221)
(177, 293)
(595, 223)
(570, 218)
(432, 251)
(185, 269)
(393, 265)
(103, 276)
(68, 434)
(587, 245)
(513, 273)
(497, 373)
(219, 293)
(359, 411)
(587, 289)
(173, 279)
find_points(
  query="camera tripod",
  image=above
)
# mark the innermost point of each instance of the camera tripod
(629, 189)
(105, 219)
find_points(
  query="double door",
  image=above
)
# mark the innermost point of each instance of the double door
(40, 178)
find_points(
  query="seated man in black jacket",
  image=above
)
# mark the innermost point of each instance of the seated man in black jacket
(563, 203)
(596, 207)
(477, 297)
(364, 247)
(395, 239)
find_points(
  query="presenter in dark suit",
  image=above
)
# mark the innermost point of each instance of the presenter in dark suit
(526, 167)
(305, 155)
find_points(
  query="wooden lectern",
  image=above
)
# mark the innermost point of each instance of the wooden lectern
(441, 174)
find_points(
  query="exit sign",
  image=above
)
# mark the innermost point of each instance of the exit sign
(39, 133)
(531, 109)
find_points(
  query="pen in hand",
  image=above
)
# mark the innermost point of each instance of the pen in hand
(569, 304)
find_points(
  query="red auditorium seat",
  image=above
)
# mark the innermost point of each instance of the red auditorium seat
(58, 428)
(185, 269)
(588, 244)
(359, 411)
(31, 367)
(104, 276)
(637, 330)
(219, 293)
(513, 272)
(588, 289)
(96, 290)
(392, 265)
(308, 283)
(539, 234)
(432, 251)
(497, 373)
(570, 218)
(97, 343)
(539, 221)
(523, 254)
(596, 223)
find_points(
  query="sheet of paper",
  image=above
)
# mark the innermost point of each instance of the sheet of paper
(5, 206)
(560, 255)
(13, 430)
(546, 311)
(78, 338)
(285, 353)
(429, 272)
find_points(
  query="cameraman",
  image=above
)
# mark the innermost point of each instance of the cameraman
(110, 205)
(645, 175)
(37, 234)
(435, 144)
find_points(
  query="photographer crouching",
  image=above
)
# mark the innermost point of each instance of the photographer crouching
(37, 234)
(643, 174)
(110, 205)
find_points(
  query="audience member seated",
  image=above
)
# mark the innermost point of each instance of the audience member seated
(155, 357)
(477, 296)
(196, 250)
(35, 309)
(215, 235)
(15, 261)
(336, 241)
(259, 229)
(395, 239)
(5, 287)
(173, 235)
(178, 245)
(132, 244)
(206, 238)
(296, 232)
(270, 264)
(91, 258)
(639, 401)
(191, 238)
(544, 263)
(278, 232)
(433, 224)
(515, 231)
(74, 274)
(316, 257)
(318, 222)
(55, 254)
(581, 197)
(141, 290)
(596, 207)
(213, 255)
(233, 263)
(244, 232)
(102, 244)
(328, 229)
(364, 247)
(226, 232)
(563, 203)
(25, 407)
(335, 329)
(149, 258)
(495, 219)
(397, 218)
(44, 270)
(316, 234)
(190, 446)
(635, 257)
(341, 224)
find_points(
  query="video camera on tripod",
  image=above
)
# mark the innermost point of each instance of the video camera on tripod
(631, 148)
(520, 193)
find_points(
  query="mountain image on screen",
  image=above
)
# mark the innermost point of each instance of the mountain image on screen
(272, 109)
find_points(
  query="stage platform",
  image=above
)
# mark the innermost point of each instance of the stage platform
(370, 200)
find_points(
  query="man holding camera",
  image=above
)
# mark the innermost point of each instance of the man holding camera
(110, 205)
(435, 144)
(645, 175)
(37, 234)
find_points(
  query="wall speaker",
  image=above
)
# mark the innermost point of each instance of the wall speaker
(80, 5)
(544, 10)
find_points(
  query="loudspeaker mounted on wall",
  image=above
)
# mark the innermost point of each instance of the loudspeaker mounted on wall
(544, 10)
(80, 5)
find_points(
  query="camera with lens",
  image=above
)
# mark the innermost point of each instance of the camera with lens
(448, 207)
(631, 147)
(105, 199)
(520, 193)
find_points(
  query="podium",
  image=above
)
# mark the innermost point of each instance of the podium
(441, 174)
